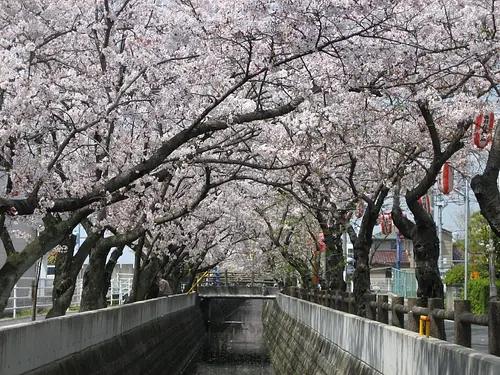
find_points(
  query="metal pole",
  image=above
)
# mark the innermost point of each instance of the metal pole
(440, 235)
(120, 292)
(466, 239)
(15, 302)
(399, 246)
(344, 244)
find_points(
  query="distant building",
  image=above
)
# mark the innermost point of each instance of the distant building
(386, 254)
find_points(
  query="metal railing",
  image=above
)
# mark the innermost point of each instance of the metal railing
(405, 283)
(20, 299)
(234, 278)
(121, 285)
(378, 308)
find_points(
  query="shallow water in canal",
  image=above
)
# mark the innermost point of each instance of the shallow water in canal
(235, 346)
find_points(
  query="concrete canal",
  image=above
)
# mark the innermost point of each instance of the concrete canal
(235, 343)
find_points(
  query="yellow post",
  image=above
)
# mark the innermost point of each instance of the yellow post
(427, 328)
(197, 282)
(422, 327)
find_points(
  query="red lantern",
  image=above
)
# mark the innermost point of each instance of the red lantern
(446, 179)
(386, 224)
(361, 210)
(483, 129)
(425, 201)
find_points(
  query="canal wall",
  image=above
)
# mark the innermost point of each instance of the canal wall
(216, 310)
(295, 348)
(158, 336)
(306, 338)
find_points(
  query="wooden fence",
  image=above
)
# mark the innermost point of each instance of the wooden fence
(378, 309)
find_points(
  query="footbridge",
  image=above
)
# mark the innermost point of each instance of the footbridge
(237, 292)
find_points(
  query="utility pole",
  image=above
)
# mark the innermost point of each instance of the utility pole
(344, 244)
(466, 239)
(440, 207)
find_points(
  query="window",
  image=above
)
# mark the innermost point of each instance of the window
(51, 270)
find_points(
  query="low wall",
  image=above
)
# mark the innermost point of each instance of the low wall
(295, 348)
(381, 348)
(151, 337)
(236, 290)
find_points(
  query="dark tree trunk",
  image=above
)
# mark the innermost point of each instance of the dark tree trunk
(334, 255)
(137, 270)
(426, 254)
(362, 245)
(485, 186)
(18, 263)
(148, 272)
(108, 271)
(425, 241)
(65, 278)
(301, 267)
(361, 277)
(67, 269)
(94, 287)
(93, 280)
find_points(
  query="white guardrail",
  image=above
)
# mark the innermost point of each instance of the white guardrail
(20, 298)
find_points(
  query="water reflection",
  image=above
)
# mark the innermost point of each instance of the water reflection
(235, 346)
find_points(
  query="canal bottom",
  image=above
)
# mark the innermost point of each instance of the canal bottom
(235, 345)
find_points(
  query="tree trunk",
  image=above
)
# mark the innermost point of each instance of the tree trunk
(426, 254)
(335, 262)
(108, 271)
(147, 275)
(301, 267)
(65, 278)
(485, 186)
(93, 280)
(137, 270)
(18, 263)
(361, 277)
(362, 245)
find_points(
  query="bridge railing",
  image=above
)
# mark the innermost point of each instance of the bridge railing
(226, 278)
(378, 308)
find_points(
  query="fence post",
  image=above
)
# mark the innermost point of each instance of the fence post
(462, 330)
(371, 311)
(437, 325)
(225, 277)
(398, 317)
(413, 321)
(14, 306)
(351, 303)
(382, 314)
(494, 328)
(335, 301)
(345, 302)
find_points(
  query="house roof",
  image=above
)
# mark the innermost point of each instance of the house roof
(388, 257)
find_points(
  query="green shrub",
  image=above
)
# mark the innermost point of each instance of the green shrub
(479, 294)
(456, 274)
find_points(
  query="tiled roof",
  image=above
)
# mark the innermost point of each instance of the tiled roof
(388, 257)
